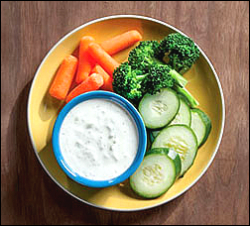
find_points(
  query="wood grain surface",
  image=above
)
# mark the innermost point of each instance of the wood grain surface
(30, 29)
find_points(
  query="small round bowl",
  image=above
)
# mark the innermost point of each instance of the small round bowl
(142, 136)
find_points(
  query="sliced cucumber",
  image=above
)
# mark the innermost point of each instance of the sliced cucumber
(159, 109)
(181, 139)
(170, 153)
(201, 125)
(153, 134)
(183, 117)
(149, 141)
(157, 173)
(184, 114)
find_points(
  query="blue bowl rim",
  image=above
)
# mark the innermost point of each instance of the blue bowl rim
(142, 136)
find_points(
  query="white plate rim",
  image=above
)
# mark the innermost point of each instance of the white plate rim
(131, 17)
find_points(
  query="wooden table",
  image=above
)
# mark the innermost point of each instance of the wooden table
(30, 29)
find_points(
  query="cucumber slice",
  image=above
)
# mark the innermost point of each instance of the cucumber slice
(153, 134)
(172, 154)
(181, 139)
(149, 141)
(201, 125)
(184, 114)
(159, 109)
(183, 117)
(157, 173)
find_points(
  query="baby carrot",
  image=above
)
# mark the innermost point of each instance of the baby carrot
(121, 42)
(76, 52)
(85, 62)
(103, 58)
(93, 82)
(107, 80)
(64, 78)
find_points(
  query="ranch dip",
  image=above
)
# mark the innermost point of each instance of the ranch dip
(98, 139)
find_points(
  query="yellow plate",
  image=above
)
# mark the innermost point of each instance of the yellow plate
(43, 110)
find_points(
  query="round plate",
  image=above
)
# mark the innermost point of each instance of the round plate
(43, 110)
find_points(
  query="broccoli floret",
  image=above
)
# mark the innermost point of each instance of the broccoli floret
(145, 71)
(133, 84)
(127, 82)
(143, 58)
(181, 52)
(158, 77)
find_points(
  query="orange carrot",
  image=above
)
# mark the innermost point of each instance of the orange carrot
(93, 82)
(107, 80)
(64, 78)
(121, 42)
(103, 58)
(85, 62)
(76, 52)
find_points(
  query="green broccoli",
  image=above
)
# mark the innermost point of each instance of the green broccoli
(143, 57)
(133, 84)
(187, 95)
(145, 72)
(181, 52)
(158, 77)
(127, 82)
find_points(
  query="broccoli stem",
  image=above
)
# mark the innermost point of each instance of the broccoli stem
(141, 77)
(181, 81)
(183, 91)
(184, 70)
(178, 78)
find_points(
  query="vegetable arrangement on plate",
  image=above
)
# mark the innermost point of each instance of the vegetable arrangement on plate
(152, 79)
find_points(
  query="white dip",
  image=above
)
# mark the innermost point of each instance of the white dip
(98, 139)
